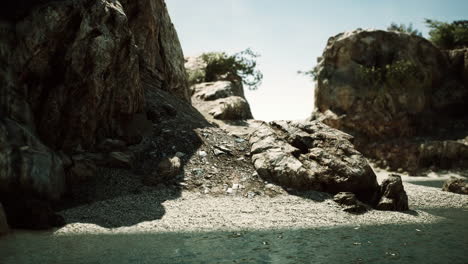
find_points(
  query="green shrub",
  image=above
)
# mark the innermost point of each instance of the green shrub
(397, 71)
(311, 73)
(404, 28)
(448, 36)
(220, 65)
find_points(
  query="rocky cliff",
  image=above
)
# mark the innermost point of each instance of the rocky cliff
(386, 88)
(73, 76)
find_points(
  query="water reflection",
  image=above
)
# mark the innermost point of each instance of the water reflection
(442, 242)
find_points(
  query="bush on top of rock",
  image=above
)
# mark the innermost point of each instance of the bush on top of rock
(216, 66)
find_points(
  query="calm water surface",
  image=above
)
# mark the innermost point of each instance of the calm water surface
(442, 242)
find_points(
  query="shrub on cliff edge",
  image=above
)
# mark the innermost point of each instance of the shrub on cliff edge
(448, 35)
(220, 65)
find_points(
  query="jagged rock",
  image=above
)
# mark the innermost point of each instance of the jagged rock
(74, 71)
(158, 44)
(388, 87)
(4, 228)
(393, 193)
(311, 156)
(222, 99)
(72, 76)
(168, 168)
(216, 90)
(27, 165)
(231, 108)
(381, 83)
(455, 185)
(350, 203)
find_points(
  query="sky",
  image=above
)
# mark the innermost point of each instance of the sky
(290, 35)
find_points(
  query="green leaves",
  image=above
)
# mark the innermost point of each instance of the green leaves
(404, 28)
(220, 65)
(448, 36)
(397, 71)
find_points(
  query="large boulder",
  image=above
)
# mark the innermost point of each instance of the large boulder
(72, 78)
(74, 71)
(222, 99)
(390, 89)
(27, 165)
(393, 195)
(312, 156)
(381, 84)
(455, 185)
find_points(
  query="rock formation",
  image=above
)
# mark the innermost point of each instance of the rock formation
(73, 80)
(393, 195)
(386, 88)
(312, 156)
(223, 99)
(455, 185)
(350, 203)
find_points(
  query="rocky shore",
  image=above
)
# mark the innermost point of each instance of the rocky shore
(108, 134)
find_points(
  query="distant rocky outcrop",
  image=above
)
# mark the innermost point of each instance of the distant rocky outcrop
(222, 99)
(455, 185)
(388, 87)
(72, 80)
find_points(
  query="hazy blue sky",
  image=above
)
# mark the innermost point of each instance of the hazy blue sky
(290, 35)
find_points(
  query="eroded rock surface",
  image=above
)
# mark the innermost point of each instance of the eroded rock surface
(158, 44)
(350, 203)
(388, 87)
(312, 156)
(223, 99)
(72, 84)
(393, 195)
(455, 185)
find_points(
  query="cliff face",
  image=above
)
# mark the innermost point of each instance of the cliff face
(382, 86)
(158, 44)
(72, 78)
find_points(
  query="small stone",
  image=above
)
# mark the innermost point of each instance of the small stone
(197, 171)
(179, 154)
(202, 153)
(168, 168)
(218, 152)
(235, 186)
(229, 190)
(239, 140)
